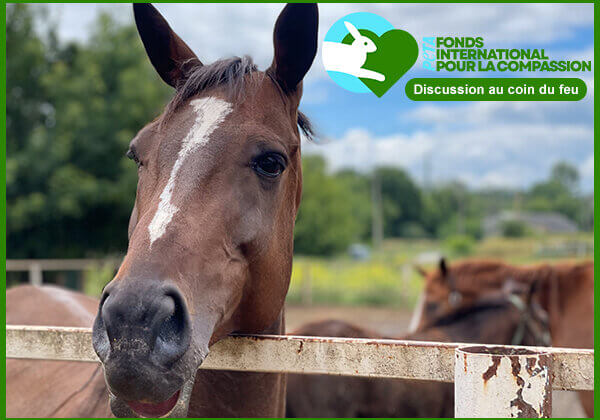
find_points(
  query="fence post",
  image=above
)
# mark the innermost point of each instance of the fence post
(35, 274)
(502, 382)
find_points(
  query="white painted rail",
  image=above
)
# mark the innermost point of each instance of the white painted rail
(573, 369)
(59, 265)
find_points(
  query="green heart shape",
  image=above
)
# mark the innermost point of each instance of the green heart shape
(397, 52)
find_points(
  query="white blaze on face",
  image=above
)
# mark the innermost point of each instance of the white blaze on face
(210, 113)
(417, 314)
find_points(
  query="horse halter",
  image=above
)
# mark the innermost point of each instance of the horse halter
(539, 329)
(454, 297)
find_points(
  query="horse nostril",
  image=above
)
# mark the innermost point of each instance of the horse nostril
(100, 340)
(149, 319)
(173, 334)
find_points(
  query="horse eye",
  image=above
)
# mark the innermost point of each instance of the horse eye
(133, 156)
(270, 165)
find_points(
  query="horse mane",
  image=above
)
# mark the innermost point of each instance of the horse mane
(475, 275)
(228, 73)
(467, 311)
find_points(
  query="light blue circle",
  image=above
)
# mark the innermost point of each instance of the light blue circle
(337, 32)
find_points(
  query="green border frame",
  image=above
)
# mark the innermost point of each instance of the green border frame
(3, 151)
(596, 185)
(3, 204)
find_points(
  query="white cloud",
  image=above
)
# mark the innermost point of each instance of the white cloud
(496, 154)
(586, 171)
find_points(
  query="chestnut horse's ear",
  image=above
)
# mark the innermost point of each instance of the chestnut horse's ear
(295, 40)
(443, 267)
(167, 52)
(420, 270)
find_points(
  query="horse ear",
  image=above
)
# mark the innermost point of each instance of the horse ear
(295, 41)
(443, 267)
(420, 270)
(167, 52)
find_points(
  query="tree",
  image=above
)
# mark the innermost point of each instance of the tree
(359, 185)
(558, 193)
(326, 224)
(402, 203)
(566, 175)
(70, 188)
(514, 229)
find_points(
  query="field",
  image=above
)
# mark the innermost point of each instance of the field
(388, 278)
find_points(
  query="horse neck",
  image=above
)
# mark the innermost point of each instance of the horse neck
(494, 326)
(221, 393)
(560, 288)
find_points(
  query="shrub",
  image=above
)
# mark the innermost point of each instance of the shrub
(460, 245)
(513, 229)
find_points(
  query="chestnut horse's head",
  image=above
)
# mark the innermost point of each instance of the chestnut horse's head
(211, 232)
(451, 288)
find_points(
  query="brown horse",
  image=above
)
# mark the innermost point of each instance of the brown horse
(566, 293)
(493, 320)
(211, 232)
(41, 388)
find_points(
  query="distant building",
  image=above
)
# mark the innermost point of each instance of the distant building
(541, 222)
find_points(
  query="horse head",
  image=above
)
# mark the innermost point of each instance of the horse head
(211, 231)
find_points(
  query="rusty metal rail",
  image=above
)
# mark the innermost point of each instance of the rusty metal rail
(572, 369)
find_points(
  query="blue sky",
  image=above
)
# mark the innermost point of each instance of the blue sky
(500, 144)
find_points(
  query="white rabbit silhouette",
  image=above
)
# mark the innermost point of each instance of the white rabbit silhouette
(349, 59)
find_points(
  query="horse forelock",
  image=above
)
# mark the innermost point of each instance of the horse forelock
(230, 75)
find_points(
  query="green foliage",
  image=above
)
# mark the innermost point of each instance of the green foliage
(566, 175)
(339, 280)
(413, 230)
(459, 245)
(96, 277)
(72, 111)
(326, 224)
(513, 229)
(401, 198)
(359, 186)
(558, 193)
(441, 205)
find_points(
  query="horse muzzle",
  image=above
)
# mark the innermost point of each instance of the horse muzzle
(142, 335)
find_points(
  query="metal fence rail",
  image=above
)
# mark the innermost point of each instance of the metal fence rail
(573, 369)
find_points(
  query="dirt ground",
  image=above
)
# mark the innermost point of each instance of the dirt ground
(394, 322)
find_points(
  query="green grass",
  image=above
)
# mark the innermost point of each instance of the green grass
(388, 278)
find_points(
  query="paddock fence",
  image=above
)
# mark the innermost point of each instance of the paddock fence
(490, 381)
(36, 267)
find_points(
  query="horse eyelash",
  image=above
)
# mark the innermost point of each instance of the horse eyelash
(131, 154)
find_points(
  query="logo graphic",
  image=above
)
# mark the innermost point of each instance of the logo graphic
(362, 52)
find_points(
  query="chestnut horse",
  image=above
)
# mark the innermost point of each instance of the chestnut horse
(566, 293)
(210, 234)
(492, 320)
(44, 388)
